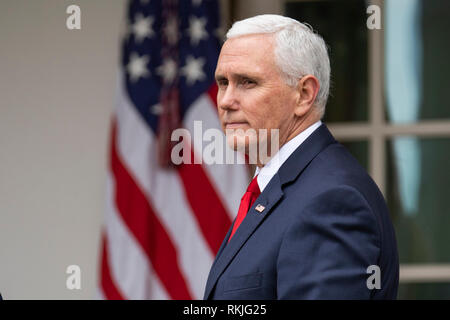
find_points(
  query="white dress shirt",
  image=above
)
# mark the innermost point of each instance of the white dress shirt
(266, 173)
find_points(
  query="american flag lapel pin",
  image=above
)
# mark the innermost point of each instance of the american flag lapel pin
(260, 208)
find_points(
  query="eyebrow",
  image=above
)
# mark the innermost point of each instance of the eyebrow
(219, 77)
(236, 76)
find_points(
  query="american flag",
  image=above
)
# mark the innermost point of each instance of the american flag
(164, 224)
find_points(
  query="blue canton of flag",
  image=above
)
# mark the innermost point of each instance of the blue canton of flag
(190, 26)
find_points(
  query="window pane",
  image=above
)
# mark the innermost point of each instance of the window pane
(343, 26)
(424, 291)
(418, 188)
(359, 149)
(416, 62)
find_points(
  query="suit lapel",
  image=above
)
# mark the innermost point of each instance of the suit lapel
(224, 243)
(268, 198)
(271, 195)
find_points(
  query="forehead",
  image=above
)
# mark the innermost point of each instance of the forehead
(253, 53)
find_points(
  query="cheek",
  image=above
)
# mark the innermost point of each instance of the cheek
(265, 109)
(255, 112)
(270, 111)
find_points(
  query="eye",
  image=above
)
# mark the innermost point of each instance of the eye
(248, 82)
(222, 82)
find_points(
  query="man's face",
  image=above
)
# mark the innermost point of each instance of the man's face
(252, 93)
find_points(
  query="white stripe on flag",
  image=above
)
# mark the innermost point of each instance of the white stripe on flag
(99, 294)
(130, 267)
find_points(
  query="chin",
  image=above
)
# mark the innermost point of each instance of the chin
(242, 143)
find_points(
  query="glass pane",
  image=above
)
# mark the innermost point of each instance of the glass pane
(343, 26)
(418, 188)
(416, 61)
(359, 149)
(424, 291)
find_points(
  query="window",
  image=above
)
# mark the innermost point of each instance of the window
(389, 107)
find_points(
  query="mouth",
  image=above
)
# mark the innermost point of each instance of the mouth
(235, 125)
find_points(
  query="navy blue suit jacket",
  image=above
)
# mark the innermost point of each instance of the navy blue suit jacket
(324, 223)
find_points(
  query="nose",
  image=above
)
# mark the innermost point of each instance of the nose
(227, 98)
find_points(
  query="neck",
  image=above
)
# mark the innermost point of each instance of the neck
(296, 128)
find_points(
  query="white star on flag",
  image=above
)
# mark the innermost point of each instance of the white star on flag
(171, 30)
(197, 30)
(193, 70)
(142, 27)
(168, 70)
(137, 67)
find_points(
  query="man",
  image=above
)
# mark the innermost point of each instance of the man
(312, 222)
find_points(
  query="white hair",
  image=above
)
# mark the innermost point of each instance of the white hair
(299, 51)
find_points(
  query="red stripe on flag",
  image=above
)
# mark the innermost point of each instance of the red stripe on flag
(207, 206)
(137, 213)
(212, 93)
(110, 290)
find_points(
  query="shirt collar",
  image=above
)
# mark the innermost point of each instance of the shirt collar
(266, 173)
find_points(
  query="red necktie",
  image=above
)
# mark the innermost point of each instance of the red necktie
(247, 201)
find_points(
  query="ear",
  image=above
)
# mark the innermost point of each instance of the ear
(308, 88)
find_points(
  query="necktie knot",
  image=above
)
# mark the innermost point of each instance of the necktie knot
(253, 187)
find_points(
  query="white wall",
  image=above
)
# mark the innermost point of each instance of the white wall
(56, 97)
